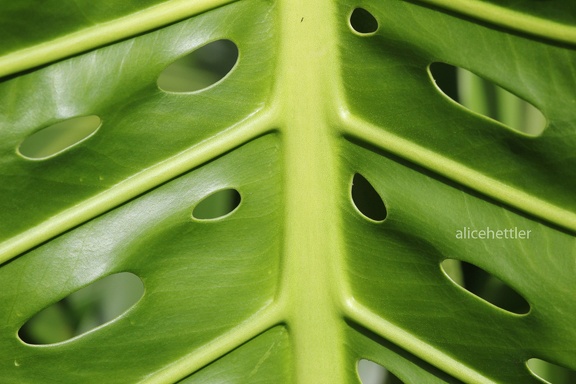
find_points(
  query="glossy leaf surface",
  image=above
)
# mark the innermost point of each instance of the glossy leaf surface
(294, 284)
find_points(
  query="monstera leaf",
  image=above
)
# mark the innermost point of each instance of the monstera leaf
(298, 280)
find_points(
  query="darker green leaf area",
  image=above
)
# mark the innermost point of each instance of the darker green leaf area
(25, 23)
(141, 125)
(395, 270)
(201, 279)
(415, 110)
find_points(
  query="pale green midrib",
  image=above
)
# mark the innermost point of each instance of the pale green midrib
(246, 130)
(458, 172)
(306, 74)
(505, 17)
(102, 34)
(359, 314)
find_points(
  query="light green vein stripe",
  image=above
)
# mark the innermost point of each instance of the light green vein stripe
(458, 172)
(417, 347)
(206, 354)
(102, 34)
(250, 128)
(508, 18)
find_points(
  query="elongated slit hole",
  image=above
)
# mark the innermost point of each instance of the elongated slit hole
(370, 372)
(551, 373)
(485, 286)
(488, 99)
(217, 205)
(84, 310)
(59, 137)
(200, 69)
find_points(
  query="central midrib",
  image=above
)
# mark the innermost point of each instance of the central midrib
(305, 81)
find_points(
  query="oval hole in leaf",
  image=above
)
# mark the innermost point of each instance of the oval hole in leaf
(199, 69)
(217, 205)
(551, 373)
(363, 21)
(84, 310)
(370, 372)
(488, 99)
(59, 137)
(486, 286)
(366, 199)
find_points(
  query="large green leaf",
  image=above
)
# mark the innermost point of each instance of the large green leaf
(295, 284)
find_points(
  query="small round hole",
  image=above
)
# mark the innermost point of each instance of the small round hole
(199, 69)
(366, 199)
(217, 205)
(59, 137)
(363, 21)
